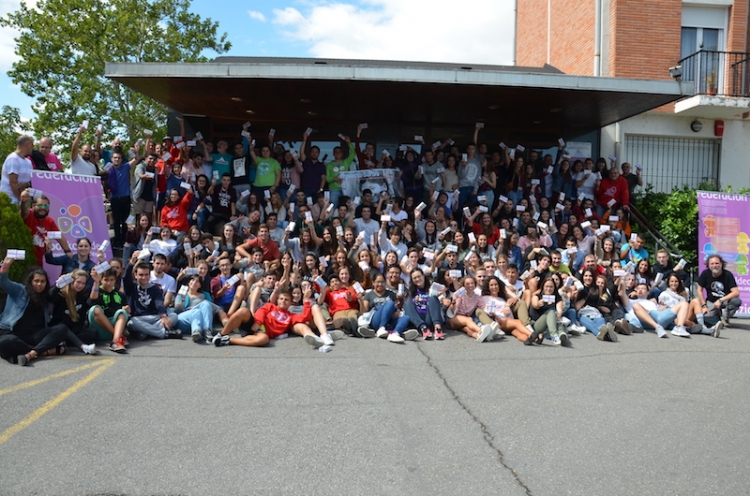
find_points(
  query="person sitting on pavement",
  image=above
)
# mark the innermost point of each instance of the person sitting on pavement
(150, 316)
(722, 298)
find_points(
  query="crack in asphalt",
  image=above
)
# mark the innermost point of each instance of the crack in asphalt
(488, 437)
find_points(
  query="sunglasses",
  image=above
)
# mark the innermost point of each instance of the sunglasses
(42, 205)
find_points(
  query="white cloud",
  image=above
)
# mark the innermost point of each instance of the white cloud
(7, 35)
(258, 16)
(472, 31)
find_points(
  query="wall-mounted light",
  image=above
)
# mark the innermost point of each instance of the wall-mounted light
(696, 125)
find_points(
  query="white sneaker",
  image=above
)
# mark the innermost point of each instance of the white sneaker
(556, 340)
(335, 334)
(327, 339)
(89, 349)
(661, 332)
(411, 334)
(577, 330)
(314, 341)
(680, 331)
(486, 331)
(707, 330)
(395, 337)
(716, 329)
(381, 333)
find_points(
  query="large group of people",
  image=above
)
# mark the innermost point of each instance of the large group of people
(244, 247)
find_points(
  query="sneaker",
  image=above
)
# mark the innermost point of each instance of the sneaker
(208, 335)
(564, 341)
(484, 333)
(395, 337)
(140, 336)
(680, 331)
(556, 340)
(220, 340)
(611, 332)
(125, 341)
(117, 346)
(173, 333)
(724, 321)
(577, 330)
(498, 334)
(381, 333)
(89, 349)
(314, 341)
(661, 332)
(427, 334)
(22, 360)
(626, 327)
(439, 335)
(196, 335)
(410, 334)
(365, 332)
(327, 339)
(335, 334)
(636, 329)
(716, 329)
(602, 332)
(707, 330)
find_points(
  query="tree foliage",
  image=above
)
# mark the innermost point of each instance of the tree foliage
(11, 127)
(63, 48)
(15, 235)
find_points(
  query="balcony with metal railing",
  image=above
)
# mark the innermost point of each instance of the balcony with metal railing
(718, 84)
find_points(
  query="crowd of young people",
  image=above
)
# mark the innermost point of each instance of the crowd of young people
(489, 244)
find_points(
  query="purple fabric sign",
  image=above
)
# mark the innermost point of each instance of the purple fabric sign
(723, 224)
(77, 205)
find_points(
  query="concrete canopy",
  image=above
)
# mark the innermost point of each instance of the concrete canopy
(432, 99)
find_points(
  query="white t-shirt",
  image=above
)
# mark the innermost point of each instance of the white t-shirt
(587, 188)
(82, 167)
(166, 282)
(14, 164)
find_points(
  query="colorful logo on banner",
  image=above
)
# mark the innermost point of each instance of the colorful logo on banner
(77, 206)
(724, 224)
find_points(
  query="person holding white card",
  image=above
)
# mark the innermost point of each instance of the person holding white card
(149, 316)
(69, 262)
(35, 214)
(586, 181)
(461, 306)
(175, 211)
(634, 251)
(80, 163)
(387, 321)
(615, 188)
(547, 309)
(469, 173)
(70, 306)
(634, 180)
(424, 310)
(195, 310)
(25, 335)
(223, 203)
(366, 158)
(227, 292)
(144, 186)
(268, 172)
(336, 166)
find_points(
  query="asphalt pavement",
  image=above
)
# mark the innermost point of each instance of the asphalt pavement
(643, 416)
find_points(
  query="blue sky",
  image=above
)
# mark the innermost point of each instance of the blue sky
(473, 31)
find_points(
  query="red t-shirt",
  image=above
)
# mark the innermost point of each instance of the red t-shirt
(270, 249)
(277, 321)
(337, 300)
(39, 228)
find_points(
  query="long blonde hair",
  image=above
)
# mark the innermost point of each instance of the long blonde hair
(70, 294)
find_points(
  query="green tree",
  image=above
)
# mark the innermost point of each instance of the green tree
(63, 47)
(11, 128)
(15, 235)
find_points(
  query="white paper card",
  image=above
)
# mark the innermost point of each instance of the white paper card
(614, 218)
(245, 193)
(198, 135)
(503, 199)
(54, 234)
(308, 216)
(166, 156)
(520, 148)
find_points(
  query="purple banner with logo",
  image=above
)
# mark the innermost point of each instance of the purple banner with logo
(723, 227)
(77, 206)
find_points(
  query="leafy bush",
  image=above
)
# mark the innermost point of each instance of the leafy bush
(15, 235)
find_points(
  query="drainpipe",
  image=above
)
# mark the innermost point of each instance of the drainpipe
(549, 29)
(598, 38)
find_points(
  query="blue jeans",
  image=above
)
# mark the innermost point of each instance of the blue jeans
(664, 318)
(592, 325)
(335, 195)
(433, 317)
(202, 216)
(383, 317)
(465, 194)
(196, 319)
(515, 195)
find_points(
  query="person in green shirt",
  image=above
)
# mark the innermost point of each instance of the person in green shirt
(268, 173)
(337, 165)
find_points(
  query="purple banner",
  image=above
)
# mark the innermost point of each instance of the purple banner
(723, 224)
(77, 206)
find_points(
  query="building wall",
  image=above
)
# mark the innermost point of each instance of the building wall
(531, 33)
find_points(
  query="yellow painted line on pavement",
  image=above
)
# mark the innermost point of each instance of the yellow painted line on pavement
(50, 405)
(29, 384)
